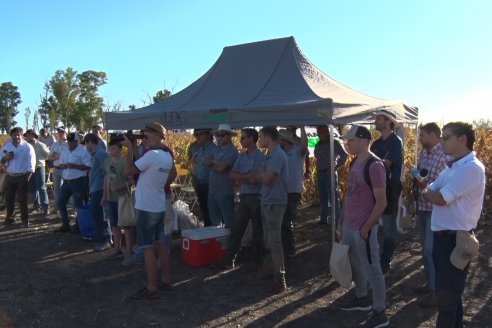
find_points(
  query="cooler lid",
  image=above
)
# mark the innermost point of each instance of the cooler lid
(205, 233)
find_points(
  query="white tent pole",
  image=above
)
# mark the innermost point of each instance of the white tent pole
(332, 177)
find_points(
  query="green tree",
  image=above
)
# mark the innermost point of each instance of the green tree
(161, 95)
(73, 99)
(10, 98)
(64, 88)
(90, 106)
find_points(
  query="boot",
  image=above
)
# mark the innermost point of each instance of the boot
(278, 284)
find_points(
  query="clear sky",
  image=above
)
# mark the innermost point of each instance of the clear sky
(434, 54)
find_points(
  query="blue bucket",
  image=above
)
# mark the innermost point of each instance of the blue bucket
(84, 219)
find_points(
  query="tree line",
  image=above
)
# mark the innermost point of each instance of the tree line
(69, 98)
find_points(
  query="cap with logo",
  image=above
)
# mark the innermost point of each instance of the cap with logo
(357, 131)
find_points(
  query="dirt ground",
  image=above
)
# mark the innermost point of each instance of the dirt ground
(49, 279)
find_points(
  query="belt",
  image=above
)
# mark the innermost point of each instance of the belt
(73, 180)
(16, 174)
(449, 232)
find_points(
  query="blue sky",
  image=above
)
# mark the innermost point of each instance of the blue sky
(436, 55)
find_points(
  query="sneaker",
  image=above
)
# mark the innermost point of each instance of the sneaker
(357, 304)
(115, 254)
(45, 211)
(25, 224)
(102, 247)
(63, 229)
(377, 320)
(145, 295)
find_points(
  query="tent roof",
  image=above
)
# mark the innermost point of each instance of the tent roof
(262, 83)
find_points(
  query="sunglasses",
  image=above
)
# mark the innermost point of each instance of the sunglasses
(244, 137)
(221, 135)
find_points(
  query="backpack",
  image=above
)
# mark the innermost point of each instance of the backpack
(393, 185)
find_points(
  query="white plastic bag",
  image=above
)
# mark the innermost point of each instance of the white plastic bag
(340, 265)
(184, 216)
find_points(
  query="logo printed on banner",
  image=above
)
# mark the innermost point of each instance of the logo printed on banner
(174, 117)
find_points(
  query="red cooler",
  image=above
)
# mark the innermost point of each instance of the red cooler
(203, 246)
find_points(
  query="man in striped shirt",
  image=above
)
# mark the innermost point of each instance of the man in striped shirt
(432, 162)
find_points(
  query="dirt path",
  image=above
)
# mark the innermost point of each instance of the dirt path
(56, 280)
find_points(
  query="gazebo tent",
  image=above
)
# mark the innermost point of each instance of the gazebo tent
(262, 83)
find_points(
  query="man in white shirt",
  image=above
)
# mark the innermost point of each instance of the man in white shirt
(37, 184)
(19, 158)
(56, 149)
(154, 168)
(74, 161)
(457, 198)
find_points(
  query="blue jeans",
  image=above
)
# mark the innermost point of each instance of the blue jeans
(101, 228)
(450, 282)
(324, 190)
(37, 187)
(363, 271)
(221, 209)
(74, 188)
(150, 228)
(427, 241)
(390, 239)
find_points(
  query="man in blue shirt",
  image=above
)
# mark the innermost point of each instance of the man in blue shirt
(274, 178)
(96, 186)
(243, 171)
(202, 170)
(389, 148)
(221, 188)
(296, 154)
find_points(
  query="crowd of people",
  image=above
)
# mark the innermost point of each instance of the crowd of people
(448, 190)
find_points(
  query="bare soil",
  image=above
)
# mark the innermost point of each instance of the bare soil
(49, 279)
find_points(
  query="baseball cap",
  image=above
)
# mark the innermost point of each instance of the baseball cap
(357, 131)
(61, 130)
(465, 250)
(73, 136)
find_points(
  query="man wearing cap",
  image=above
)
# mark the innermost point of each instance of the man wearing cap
(358, 226)
(432, 161)
(457, 198)
(20, 159)
(154, 169)
(46, 138)
(243, 172)
(389, 148)
(296, 154)
(221, 188)
(322, 153)
(274, 178)
(203, 155)
(74, 162)
(55, 151)
(37, 183)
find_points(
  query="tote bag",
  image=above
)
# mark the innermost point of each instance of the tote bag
(126, 210)
(340, 265)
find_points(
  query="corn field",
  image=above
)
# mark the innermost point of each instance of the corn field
(179, 143)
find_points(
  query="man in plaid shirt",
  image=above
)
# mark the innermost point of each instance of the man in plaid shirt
(432, 162)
